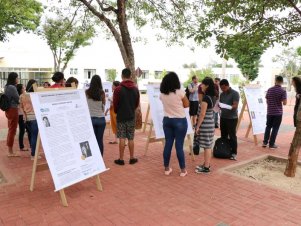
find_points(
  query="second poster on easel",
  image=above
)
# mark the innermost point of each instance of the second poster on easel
(257, 108)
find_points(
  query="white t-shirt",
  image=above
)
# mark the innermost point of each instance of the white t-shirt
(173, 105)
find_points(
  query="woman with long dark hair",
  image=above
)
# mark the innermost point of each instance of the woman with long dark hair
(31, 121)
(12, 115)
(174, 123)
(96, 103)
(296, 82)
(205, 127)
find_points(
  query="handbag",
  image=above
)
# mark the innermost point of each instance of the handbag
(138, 117)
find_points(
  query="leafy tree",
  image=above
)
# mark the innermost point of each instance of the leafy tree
(111, 75)
(201, 74)
(18, 15)
(116, 16)
(254, 25)
(290, 61)
(65, 35)
(245, 50)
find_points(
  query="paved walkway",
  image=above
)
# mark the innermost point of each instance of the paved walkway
(141, 195)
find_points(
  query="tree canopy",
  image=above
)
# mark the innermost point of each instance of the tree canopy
(18, 15)
(252, 26)
(66, 34)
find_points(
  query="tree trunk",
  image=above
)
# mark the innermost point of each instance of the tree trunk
(292, 162)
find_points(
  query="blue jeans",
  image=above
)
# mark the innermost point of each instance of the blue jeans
(174, 129)
(33, 130)
(99, 125)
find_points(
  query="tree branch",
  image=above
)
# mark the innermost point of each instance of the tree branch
(109, 8)
(294, 6)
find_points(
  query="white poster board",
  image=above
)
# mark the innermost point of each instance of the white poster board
(157, 113)
(257, 108)
(107, 88)
(67, 136)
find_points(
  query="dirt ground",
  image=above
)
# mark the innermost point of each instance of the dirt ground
(271, 172)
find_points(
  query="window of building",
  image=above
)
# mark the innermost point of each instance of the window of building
(158, 74)
(145, 74)
(88, 73)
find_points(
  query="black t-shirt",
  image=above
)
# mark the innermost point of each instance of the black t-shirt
(209, 100)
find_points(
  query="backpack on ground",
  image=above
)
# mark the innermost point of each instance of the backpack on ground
(4, 102)
(222, 149)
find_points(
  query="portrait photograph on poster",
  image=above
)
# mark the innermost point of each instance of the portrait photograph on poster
(85, 148)
(46, 121)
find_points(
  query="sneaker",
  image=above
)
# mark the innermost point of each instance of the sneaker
(133, 161)
(264, 145)
(119, 162)
(203, 170)
(274, 146)
(201, 166)
(233, 157)
(32, 157)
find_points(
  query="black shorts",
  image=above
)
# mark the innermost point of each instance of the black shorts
(193, 108)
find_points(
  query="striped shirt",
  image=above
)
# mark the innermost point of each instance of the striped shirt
(275, 96)
(96, 108)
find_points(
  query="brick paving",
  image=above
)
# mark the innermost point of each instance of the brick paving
(141, 195)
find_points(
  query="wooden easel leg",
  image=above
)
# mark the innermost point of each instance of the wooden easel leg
(148, 138)
(248, 130)
(98, 183)
(63, 197)
(146, 118)
(35, 163)
(190, 146)
(255, 139)
(241, 115)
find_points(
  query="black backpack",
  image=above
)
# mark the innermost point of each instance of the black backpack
(222, 149)
(4, 102)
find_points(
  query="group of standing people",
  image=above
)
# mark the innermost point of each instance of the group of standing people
(20, 111)
(201, 102)
(206, 102)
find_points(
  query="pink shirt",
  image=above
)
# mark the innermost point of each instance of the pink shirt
(173, 105)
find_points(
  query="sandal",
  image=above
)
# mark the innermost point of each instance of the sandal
(168, 172)
(24, 149)
(183, 174)
(113, 142)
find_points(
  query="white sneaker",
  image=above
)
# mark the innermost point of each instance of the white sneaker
(32, 157)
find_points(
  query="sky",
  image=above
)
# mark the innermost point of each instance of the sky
(154, 55)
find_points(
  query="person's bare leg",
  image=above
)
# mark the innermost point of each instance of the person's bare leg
(10, 150)
(131, 148)
(207, 157)
(121, 148)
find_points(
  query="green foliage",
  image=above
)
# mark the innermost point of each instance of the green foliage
(65, 35)
(290, 61)
(18, 15)
(299, 50)
(245, 50)
(246, 28)
(201, 74)
(163, 73)
(111, 75)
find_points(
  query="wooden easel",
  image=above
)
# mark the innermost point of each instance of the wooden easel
(146, 119)
(44, 166)
(243, 109)
(152, 139)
